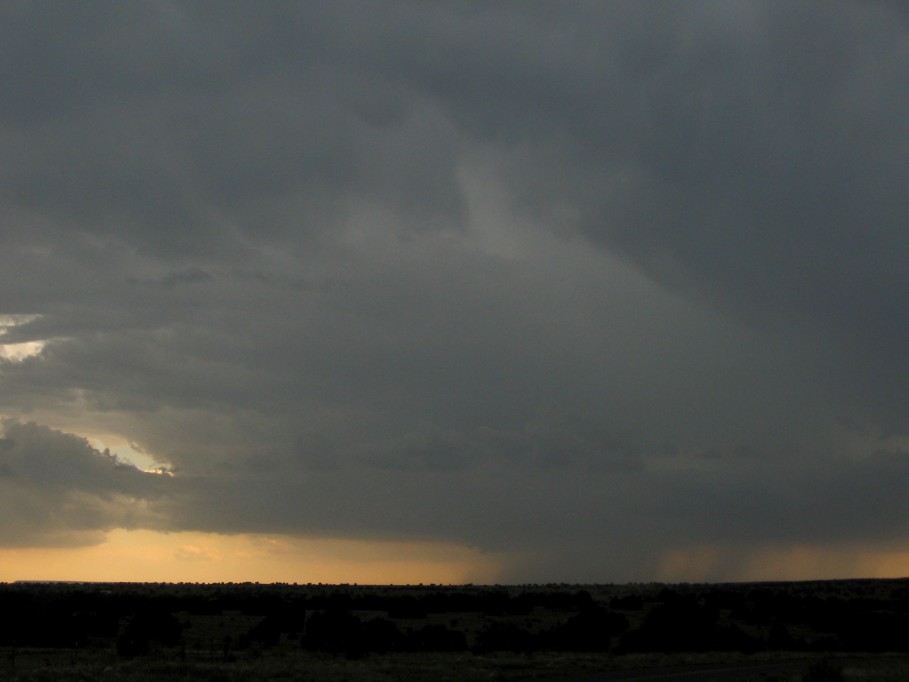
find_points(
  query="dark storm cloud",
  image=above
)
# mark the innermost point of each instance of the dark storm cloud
(517, 275)
(58, 490)
(180, 133)
(774, 176)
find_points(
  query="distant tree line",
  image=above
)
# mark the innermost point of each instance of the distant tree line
(871, 616)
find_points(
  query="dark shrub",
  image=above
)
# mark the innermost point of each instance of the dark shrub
(434, 637)
(678, 624)
(822, 671)
(338, 632)
(382, 635)
(504, 637)
(146, 627)
(589, 630)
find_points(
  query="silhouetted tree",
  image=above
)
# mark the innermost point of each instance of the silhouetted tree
(678, 624)
(147, 627)
(499, 636)
(435, 637)
(335, 631)
(589, 630)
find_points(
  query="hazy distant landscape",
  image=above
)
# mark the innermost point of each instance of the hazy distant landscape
(827, 630)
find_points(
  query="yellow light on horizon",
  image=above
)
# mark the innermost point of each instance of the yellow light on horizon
(151, 556)
(713, 563)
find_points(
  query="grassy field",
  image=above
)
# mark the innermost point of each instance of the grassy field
(233, 633)
(104, 666)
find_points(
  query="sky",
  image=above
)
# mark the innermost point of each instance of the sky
(454, 291)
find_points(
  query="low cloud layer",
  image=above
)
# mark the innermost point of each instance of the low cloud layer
(587, 283)
(58, 490)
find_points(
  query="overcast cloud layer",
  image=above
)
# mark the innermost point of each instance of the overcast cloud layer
(579, 282)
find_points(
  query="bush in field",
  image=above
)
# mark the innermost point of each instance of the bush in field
(382, 635)
(684, 624)
(266, 632)
(335, 631)
(678, 624)
(281, 619)
(589, 630)
(406, 607)
(504, 637)
(435, 637)
(147, 627)
(822, 671)
(631, 602)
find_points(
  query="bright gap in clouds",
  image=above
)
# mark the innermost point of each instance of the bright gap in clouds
(20, 351)
(17, 352)
(128, 452)
(150, 556)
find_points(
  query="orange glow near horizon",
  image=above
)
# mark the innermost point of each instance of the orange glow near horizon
(149, 556)
(796, 562)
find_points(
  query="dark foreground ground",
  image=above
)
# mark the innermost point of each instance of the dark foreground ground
(807, 631)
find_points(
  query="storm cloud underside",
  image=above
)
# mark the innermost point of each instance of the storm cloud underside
(583, 283)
